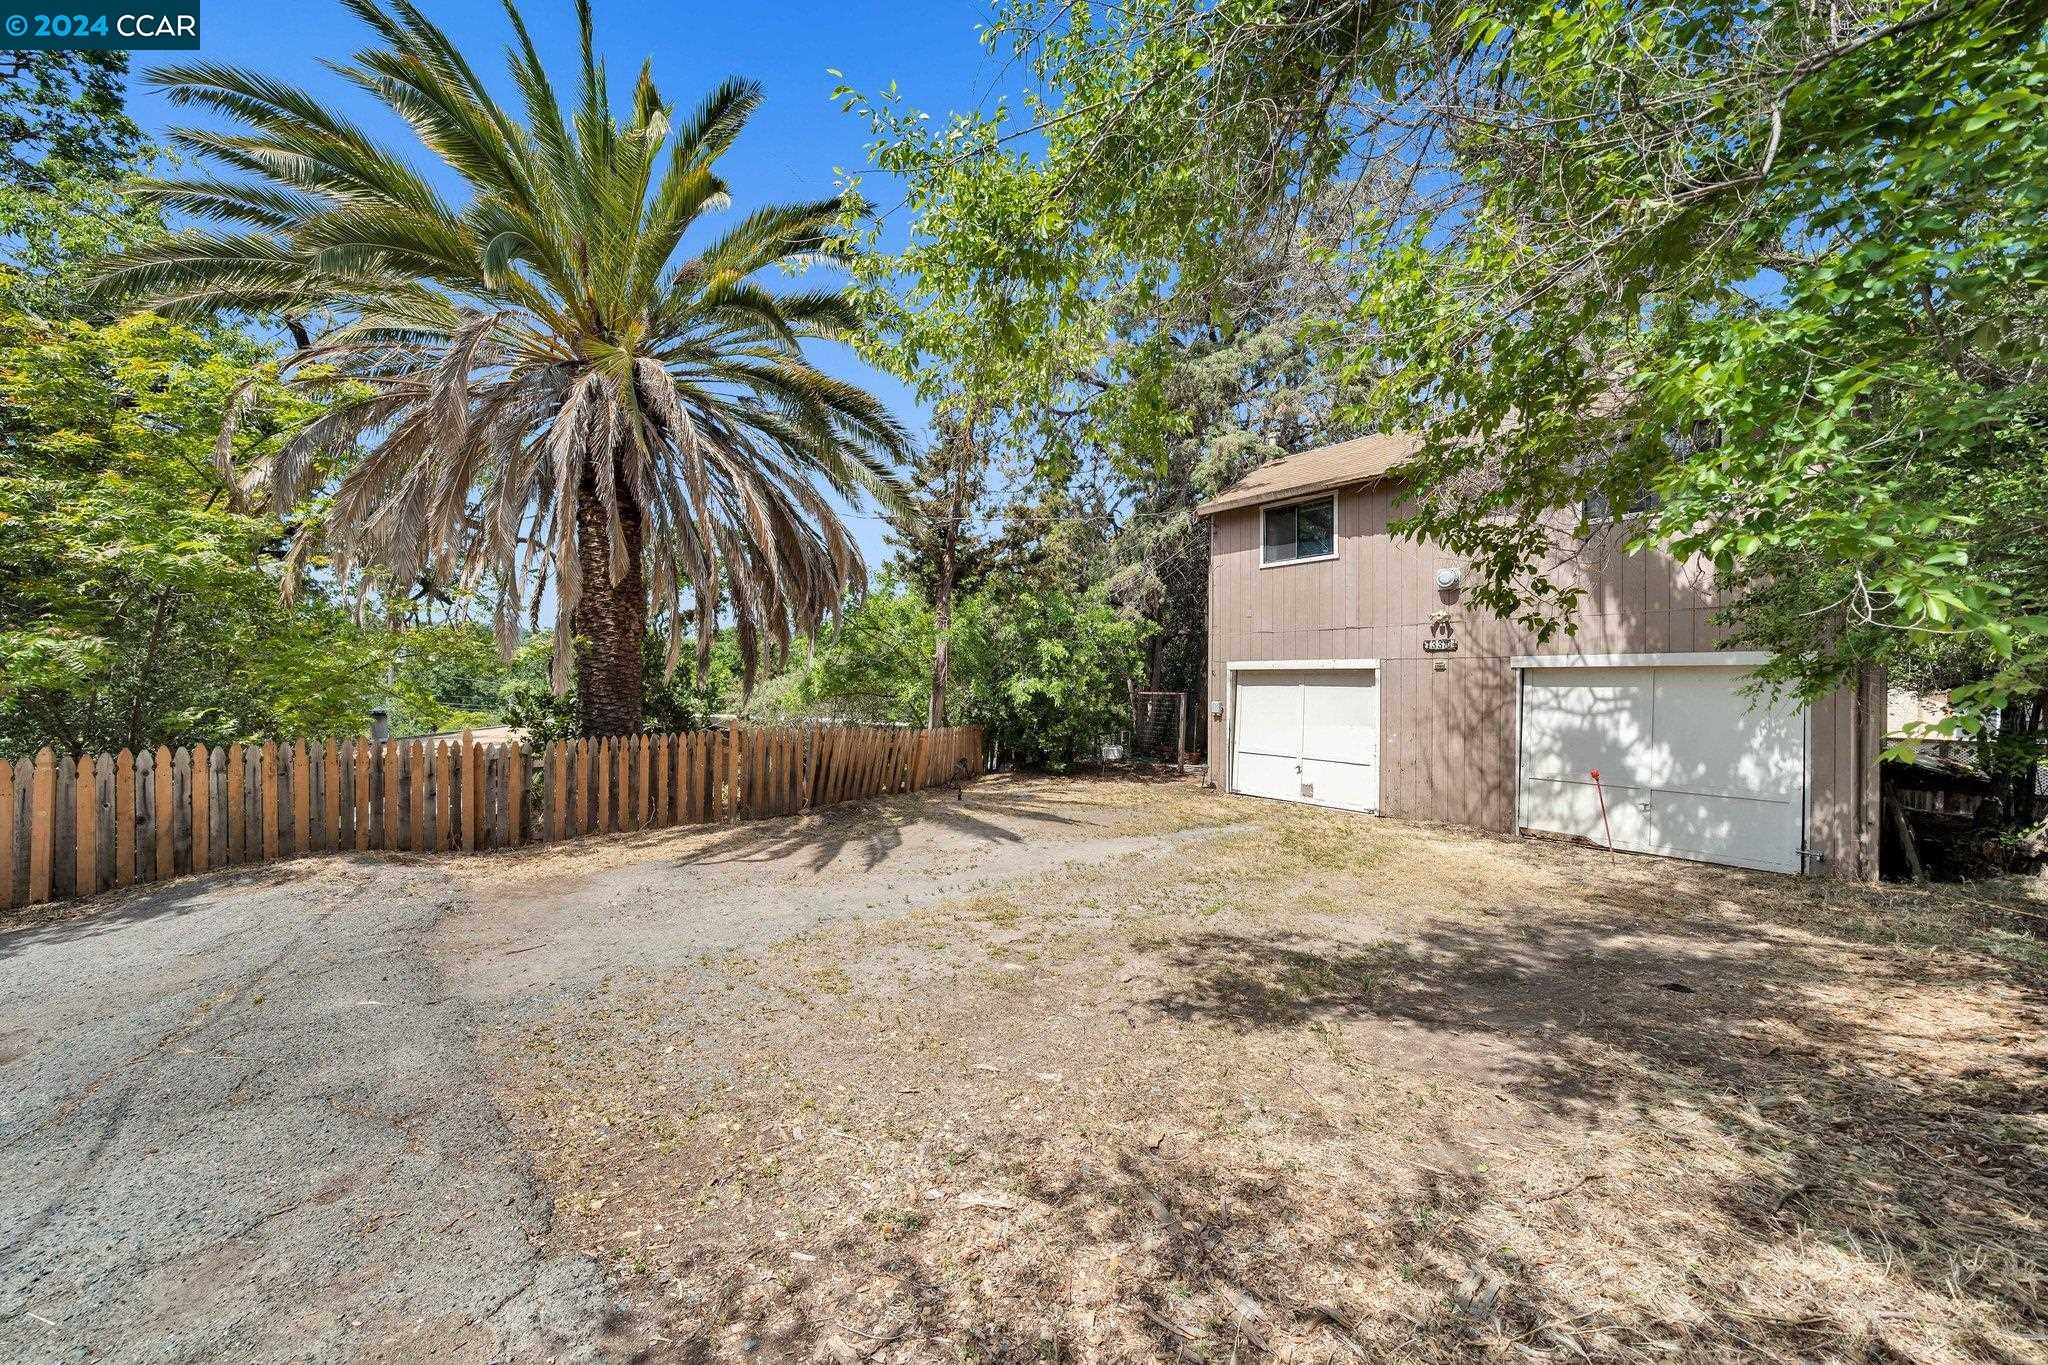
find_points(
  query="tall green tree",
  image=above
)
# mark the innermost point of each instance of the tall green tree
(137, 607)
(64, 113)
(1781, 265)
(555, 393)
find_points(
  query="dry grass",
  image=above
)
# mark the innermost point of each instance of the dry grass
(1323, 1088)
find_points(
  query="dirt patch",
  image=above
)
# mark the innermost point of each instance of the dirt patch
(1185, 1077)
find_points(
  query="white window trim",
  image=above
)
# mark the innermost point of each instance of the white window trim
(1719, 658)
(1301, 665)
(1336, 529)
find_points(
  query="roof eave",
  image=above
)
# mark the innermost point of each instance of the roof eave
(1227, 503)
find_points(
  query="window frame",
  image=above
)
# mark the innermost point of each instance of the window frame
(1336, 536)
(1645, 501)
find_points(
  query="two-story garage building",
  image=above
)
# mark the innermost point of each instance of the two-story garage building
(1345, 671)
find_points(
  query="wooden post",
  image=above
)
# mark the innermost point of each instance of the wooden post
(643, 799)
(556, 760)
(362, 786)
(267, 799)
(394, 828)
(330, 794)
(689, 777)
(662, 748)
(163, 801)
(235, 778)
(42, 826)
(515, 791)
(202, 808)
(86, 830)
(472, 792)
(124, 818)
(416, 755)
(302, 799)
(7, 828)
(444, 796)
(821, 765)
(1904, 829)
(579, 791)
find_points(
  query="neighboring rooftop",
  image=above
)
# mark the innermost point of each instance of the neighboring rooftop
(1312, 471)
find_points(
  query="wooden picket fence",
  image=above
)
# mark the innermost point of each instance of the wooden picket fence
(77, 828)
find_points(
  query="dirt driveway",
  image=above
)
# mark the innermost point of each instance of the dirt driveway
(1097, 1069)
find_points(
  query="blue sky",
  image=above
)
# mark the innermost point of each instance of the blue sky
(930, 48)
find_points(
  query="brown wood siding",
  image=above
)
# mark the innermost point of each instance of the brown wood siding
(1448, 721)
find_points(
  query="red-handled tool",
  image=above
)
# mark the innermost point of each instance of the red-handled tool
(1603, 812)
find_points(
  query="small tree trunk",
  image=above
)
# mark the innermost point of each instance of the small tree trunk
(942, 615)
(610, 619)
(942, 599)
(942, 648)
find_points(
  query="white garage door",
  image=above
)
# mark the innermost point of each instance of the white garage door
(1690, 769)
(1311, 735)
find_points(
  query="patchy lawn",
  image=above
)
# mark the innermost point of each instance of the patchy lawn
(1120, 1070)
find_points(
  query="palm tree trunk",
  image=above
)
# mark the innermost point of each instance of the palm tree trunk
(610, 619)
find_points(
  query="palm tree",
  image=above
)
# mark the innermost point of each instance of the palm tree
(536, 385)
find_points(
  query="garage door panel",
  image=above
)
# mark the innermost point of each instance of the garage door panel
(1354, 786)
(1697, 710)
(1724, 829)
(1560, 806)
(1274, 775)
(1574, 723)
(1688, 767)
(1269, 715)
(1338, 718)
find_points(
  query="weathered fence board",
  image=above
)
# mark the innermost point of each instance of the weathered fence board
(80, 826)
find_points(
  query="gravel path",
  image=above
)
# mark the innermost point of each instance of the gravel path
(242, 1119)
(249, 1117)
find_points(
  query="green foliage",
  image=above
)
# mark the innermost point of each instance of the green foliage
(1050, 236)
(877, 666)
(684, 700)
(1805, 305)
(1045, 671)
(1783, 265)
(135, 608)
(51, 233)
(61, 114)
(445, 677)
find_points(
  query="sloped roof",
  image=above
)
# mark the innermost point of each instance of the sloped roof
(1339, 466)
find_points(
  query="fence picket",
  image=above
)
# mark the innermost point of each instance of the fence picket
(86, 830)
(442, 800)
(7, 826)
(472, 792)
(557, 764)
(124, 818)
(515, 792)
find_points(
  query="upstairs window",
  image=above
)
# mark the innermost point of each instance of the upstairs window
(1304, 530)
(1597, 508)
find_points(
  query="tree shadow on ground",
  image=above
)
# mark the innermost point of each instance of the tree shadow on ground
(869, 832)
(1853, 1146)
